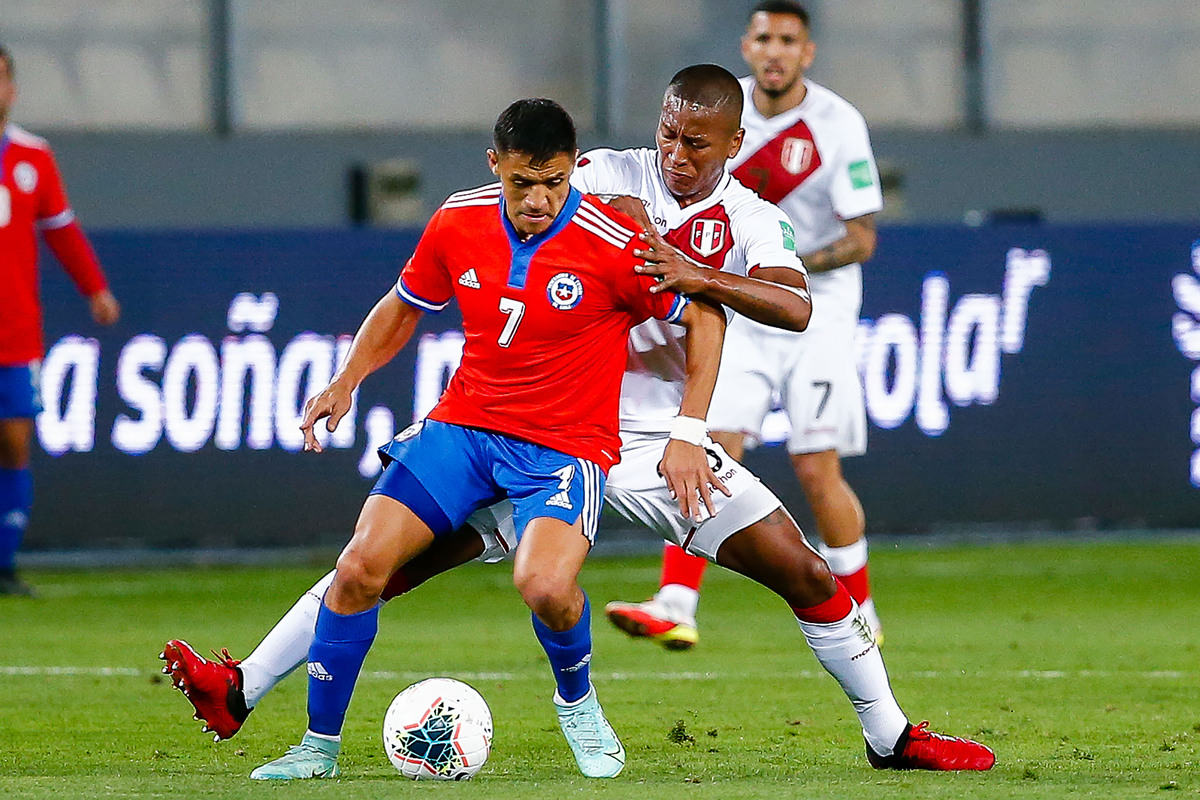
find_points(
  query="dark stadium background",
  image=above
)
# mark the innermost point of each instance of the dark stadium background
(274, 161)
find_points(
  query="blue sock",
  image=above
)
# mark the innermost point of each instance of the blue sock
(334, 660)
(16, 499)
(570, 653)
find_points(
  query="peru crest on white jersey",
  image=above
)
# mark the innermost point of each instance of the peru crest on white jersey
(732, 229)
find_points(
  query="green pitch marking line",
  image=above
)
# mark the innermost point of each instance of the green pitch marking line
(389, 675)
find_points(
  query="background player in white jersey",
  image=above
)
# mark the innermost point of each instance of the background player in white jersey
(688, 196)
(807, 150)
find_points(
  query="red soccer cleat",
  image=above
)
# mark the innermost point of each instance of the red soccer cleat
(655, 621)
(213, 687)
(921, 748)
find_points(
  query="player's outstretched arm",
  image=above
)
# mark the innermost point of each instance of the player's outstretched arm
(684, 464)
(855, 247)
(383, 333)
(776, 296)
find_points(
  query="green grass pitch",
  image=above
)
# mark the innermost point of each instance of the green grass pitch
(1079, 663)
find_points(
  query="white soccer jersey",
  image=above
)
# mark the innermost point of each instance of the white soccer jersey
(815, 162)
(732, 229)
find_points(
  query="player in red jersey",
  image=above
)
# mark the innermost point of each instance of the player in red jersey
(684, 181)
(545, 279)
(32, 199)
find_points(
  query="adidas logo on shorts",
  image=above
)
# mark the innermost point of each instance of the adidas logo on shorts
(560, 500)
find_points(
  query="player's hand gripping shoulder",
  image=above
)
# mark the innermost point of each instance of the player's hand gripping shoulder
(333, 403)
(690, 478)
(674, 270)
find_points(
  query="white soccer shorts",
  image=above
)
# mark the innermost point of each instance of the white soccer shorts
(638, 493)
(814, 375)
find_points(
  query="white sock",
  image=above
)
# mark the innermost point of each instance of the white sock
(681, 599)
(847, 652)
(846, 560)
(558, 701)
(285, 647)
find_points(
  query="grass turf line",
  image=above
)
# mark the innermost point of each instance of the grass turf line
(1079, 664)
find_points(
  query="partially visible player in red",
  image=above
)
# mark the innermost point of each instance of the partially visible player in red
(32, 199)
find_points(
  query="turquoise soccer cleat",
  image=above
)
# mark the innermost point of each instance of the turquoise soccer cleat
(598, 751)
(314, 757)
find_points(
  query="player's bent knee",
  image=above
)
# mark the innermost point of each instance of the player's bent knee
(552, 597)
(810, 583)
(357, 585)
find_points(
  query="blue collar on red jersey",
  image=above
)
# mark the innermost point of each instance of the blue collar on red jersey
(523, 252)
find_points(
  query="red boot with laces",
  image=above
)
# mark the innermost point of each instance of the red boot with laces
(214, 688)
(921, 748)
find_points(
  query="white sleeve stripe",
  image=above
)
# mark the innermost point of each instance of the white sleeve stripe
(600, 218)
(491, 188)
(57, 221)
(481, 201)
(419, 302)
(797, 267)
(608, 237)
(602, 223)
(677, 308)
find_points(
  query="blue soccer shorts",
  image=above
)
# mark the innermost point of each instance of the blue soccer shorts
(445, 472)
(20, 395)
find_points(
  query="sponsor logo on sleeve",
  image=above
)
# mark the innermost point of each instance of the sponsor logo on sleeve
(860, 175)
(789, 235)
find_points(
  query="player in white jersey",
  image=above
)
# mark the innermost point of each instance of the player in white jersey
(807, 150)
(688, 197)
(732, 230)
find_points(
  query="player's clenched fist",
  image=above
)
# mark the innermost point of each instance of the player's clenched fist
(333, 402)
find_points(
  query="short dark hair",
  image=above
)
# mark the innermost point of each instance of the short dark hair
(708, 86)
(781, 7)
(538, 127)
(7, 58)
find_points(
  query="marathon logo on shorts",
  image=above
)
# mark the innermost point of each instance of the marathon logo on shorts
(708, 236)
(565, 291)
(409, 432)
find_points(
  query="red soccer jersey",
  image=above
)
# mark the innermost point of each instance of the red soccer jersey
(546, 320)
(31, 199)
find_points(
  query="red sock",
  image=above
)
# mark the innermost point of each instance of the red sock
(681, 568)
(835, 609)
(398, 585)
(857, 584)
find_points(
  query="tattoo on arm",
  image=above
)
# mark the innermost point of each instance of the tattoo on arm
(857, 245)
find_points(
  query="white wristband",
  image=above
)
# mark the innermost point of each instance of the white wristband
(689, 429)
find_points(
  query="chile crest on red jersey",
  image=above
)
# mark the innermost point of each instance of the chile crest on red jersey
(565, 291)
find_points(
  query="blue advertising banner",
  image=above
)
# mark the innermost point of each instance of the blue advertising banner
(1037, 376)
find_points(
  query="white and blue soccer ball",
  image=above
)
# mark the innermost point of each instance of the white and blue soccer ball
(438, 729)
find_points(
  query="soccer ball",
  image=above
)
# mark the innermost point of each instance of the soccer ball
(439, 729)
